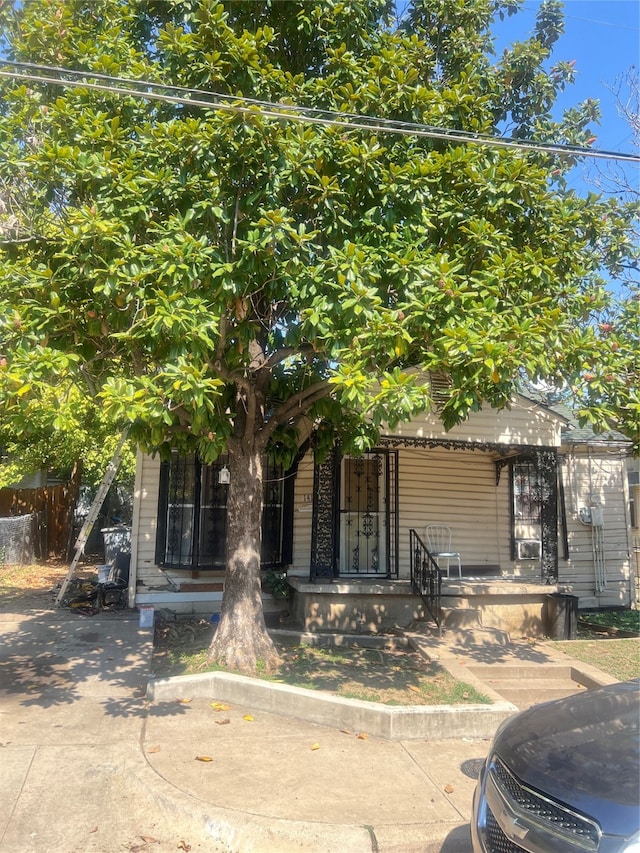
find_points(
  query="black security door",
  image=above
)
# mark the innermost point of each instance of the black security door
(368, 515)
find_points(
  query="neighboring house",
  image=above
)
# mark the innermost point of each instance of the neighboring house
(535, 506)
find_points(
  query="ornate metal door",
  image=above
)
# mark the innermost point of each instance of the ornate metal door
(368, 515)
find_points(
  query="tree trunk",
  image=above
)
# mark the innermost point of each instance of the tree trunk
(241, 641)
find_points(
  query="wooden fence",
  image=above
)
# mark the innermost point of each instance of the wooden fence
(54, 507)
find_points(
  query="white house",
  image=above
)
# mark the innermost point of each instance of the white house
(534, 505)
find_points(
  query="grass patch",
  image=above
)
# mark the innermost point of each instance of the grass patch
(386, 676)
(618, 620)
(618, 658)
(389, 677)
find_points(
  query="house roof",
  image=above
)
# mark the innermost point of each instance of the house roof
(572, 432)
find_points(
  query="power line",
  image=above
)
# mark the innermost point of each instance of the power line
(183, 96)
(566, 15)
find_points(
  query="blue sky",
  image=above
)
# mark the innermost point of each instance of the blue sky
(603, 37)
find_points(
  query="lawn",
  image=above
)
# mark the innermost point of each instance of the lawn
(389, 676)
(618, 658)
(604, 640)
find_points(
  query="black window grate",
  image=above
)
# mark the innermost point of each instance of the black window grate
(192, 515)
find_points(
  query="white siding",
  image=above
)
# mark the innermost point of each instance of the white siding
(524, 423)
(302, 518)
(592, 476)
(458, 489)
(146, 521)
(435, 485)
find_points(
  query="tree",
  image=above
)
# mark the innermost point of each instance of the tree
(59, 430)
(610, 391)
(227, 281)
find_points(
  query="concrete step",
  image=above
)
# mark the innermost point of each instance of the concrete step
(523, 672)
(524, 685)
(525, 697)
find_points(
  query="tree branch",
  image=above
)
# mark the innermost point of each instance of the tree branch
(285, 353)
(296, 405)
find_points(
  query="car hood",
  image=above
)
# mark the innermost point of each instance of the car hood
(583, 751)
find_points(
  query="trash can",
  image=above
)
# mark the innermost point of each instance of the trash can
(117, 540)
(561, 616)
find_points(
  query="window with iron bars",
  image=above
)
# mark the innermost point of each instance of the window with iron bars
(527, 492)
(192, 515)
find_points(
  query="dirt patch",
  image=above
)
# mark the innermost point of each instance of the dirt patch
(34, 587)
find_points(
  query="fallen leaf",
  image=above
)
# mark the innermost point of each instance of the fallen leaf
(203, 758)
(362, 735)
(466, 695)
(316, 746)
(222, 722)
(154, 749)
(449, 789)
(248, 718)
(148, 839)
(95, 829)
(220, 706)
(184, 846)
(183, 701)
(346, 731)
(414, 689)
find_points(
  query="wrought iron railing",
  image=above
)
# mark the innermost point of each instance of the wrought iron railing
(426, 577)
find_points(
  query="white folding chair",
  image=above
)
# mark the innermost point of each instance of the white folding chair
(439, 545)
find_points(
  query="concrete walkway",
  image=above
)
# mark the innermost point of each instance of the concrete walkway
(89, 764)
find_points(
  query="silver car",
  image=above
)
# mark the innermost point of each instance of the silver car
(564, 777)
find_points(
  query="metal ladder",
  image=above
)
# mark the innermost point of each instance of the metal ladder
(90, 520)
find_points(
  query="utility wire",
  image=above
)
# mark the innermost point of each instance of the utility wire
(151, 91)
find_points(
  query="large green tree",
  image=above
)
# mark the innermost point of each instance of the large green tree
(229, 281)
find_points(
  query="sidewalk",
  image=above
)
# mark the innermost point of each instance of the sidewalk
(88, 764)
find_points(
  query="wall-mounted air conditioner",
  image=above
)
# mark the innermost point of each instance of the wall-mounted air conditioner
(528, 549)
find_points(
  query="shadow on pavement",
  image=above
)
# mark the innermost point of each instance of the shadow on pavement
(457, 841)
(55, 659)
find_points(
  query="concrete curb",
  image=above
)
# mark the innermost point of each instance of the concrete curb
(412, 722)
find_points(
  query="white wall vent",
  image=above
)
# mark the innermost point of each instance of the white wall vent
(528, 549)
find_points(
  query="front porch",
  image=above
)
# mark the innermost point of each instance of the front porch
(372, 606)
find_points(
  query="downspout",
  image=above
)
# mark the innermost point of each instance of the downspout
(135, 531)
(633, 533)
(597, 543)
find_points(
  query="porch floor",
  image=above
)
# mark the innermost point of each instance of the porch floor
(472, 585)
